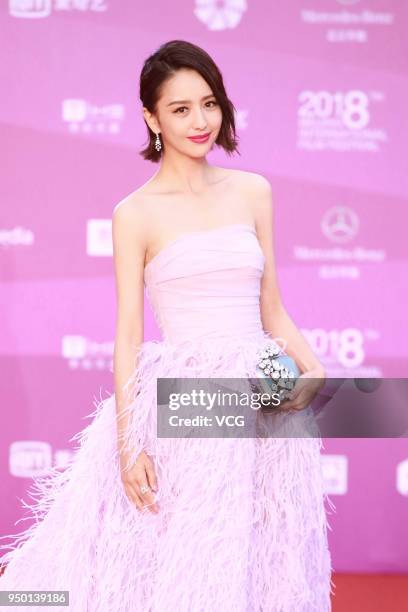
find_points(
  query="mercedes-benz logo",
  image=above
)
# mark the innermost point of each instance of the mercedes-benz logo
(340, 224)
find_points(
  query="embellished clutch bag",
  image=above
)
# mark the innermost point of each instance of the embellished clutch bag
(277, 372)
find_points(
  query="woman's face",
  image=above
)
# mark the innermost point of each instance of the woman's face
(187, 107)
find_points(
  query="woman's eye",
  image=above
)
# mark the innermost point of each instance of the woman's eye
(182, 107)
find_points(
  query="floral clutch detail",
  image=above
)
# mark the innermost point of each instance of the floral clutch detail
(277, 372)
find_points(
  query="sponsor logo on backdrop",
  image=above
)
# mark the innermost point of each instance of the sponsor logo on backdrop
(99, 238)
(82, 353)
(343, 351)
(29, 458)
(346, 21)
(85, 118)
(37, 9)
(220, 14)
(241, 119)
(335, 472)
(339, 121)
(348, 2)
(16, 236)
(339, 225)
(402, 477)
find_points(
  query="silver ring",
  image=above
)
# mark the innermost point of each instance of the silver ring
(144, 489)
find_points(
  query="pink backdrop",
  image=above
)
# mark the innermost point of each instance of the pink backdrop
(320, 88)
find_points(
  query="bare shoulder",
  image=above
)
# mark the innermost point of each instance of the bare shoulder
(130, 213)
(253, 182)
(248, 182)
(256, 189)
(130, 206)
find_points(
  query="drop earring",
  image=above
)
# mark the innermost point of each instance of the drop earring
(157, 143)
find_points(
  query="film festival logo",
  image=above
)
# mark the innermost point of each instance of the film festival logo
(217, 15)
(340, 121)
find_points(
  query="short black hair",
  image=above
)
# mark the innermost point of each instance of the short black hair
(164, 63)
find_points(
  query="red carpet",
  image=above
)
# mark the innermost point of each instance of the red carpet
(370, 593)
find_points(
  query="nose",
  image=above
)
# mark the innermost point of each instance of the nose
(200, 121)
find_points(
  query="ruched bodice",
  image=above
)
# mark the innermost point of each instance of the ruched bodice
(207, 283)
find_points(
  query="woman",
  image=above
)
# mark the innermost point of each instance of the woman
(144, 522)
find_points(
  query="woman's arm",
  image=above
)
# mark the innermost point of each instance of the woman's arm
(129, 247)
(128, 235)
(275, 318)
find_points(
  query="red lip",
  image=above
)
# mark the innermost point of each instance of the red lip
(202, 138)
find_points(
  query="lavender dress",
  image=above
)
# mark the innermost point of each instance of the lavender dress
(242, 525)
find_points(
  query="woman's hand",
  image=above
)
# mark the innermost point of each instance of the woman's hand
(141, 474)
(306, 388)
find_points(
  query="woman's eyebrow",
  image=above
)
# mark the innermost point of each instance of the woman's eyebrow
(188, 101)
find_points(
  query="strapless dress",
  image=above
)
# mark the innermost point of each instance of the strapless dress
(242, 525)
